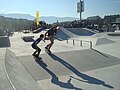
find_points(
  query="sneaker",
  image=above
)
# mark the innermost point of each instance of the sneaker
(46, 47)
(39, 58)
(35, 55)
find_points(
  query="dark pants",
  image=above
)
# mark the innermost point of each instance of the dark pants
(37, 52)
(51, 38)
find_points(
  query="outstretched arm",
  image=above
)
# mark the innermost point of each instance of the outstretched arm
(45, 35)
(56, 30)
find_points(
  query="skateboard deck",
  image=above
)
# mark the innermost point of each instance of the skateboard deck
(39, 58)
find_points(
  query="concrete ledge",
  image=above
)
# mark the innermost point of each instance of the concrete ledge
(114, 34)
(17, 74)
(102, 41)
(28, 38)
(4, 41)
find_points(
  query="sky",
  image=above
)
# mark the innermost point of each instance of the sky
(61, 8)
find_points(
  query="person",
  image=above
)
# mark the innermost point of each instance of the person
(51, 33)
(34, 46)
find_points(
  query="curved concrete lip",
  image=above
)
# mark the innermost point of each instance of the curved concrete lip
(18, 76)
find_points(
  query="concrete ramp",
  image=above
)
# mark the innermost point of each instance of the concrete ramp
(81, 31)
(4, 82)
(19, 78)
(66, 63)
(70, 34)
(101, 41)
(64, 34)
(61, 35)
(114, 34)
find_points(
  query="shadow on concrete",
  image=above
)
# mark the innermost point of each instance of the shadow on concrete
(55, 79)
(100, 53)
(86, 78)
(41, 63)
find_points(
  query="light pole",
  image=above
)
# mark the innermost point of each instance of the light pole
(80, 11)
(80, 8)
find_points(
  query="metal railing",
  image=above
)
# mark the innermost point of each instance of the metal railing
(80, 42)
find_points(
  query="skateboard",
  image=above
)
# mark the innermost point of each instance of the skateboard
(39, 58)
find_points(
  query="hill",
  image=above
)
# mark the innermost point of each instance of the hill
(47, 19)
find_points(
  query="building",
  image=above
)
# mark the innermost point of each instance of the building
(94, 18)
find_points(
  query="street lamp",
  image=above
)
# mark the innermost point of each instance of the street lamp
(80, 8)
(80, 12)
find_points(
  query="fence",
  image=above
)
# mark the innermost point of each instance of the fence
(80, 42)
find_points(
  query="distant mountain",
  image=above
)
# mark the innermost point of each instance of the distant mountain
(47, 19)
(52, 19)
(18, 16)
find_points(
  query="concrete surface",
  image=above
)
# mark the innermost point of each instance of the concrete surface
(18, 76)
(62, 35)
(4, 82)
(76, 58)
(70, 66)
(99, 79)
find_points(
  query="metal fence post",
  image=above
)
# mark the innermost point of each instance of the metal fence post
(67, 40)
(90, 45)
(73, 42)
(81, 43)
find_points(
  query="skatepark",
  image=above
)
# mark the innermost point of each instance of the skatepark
(81, 59)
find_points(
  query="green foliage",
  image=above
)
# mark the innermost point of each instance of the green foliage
(14, 24)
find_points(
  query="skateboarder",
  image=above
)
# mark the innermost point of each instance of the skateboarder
(51, 33)
(34, 46)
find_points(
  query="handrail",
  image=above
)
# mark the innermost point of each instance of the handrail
(81, 42)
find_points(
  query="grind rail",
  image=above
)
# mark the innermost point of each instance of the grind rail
(80, 42)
